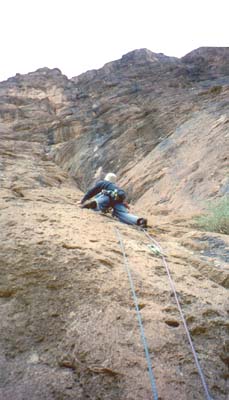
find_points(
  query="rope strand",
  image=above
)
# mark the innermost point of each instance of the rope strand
(208, 397)
(152, 379)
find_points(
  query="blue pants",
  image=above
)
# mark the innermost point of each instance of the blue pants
(119, 210)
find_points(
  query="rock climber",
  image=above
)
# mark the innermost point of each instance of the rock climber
(107, 195)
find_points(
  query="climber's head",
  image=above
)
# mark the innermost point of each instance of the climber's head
(110, 177)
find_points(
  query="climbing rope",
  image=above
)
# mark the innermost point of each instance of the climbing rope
(152, 379)
(161, 253)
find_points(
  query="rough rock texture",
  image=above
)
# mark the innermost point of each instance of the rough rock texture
(68, 324)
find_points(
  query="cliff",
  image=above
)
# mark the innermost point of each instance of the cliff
(69, 328)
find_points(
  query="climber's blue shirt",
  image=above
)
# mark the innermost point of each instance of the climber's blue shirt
(99, 186)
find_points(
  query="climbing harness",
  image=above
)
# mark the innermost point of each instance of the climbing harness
(117, 195)
(152, 379)
(157, 250)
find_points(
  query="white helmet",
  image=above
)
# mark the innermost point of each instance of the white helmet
(110, 177)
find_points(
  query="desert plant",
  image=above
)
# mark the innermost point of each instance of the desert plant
(214, 90)
(216, 218)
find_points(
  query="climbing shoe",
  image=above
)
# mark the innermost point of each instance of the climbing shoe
(92, 204)
(142, 222)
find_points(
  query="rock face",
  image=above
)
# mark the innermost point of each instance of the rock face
(208, 63)
(68, 324)
(171, 115)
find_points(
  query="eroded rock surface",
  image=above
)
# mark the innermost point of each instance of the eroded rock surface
(68, 324)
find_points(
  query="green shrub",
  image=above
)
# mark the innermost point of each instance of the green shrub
(216, 218)
(214, 90)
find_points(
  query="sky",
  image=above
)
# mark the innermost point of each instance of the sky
(79, 35)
